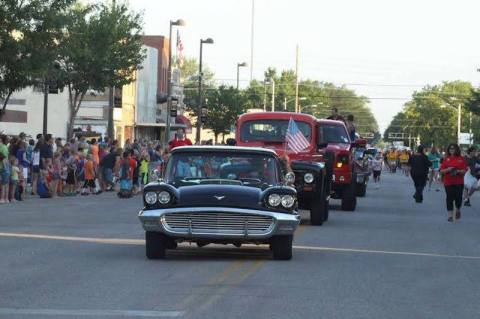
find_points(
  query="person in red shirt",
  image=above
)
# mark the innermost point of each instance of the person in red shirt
(453, 169)
(179, 140)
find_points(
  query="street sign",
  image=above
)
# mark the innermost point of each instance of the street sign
(367, 135)
(465, 139)
(397, 144)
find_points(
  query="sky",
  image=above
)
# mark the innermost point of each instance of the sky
(382, 49)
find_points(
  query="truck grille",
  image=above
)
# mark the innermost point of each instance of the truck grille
(218, 223)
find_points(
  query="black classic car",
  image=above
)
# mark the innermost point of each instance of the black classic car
(226, 195)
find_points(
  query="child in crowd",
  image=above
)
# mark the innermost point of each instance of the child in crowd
(89, 167)
(4, 179)
(14, 177)
(80, 172)
(55, 171)
(144, 165)
(22, 184)
(70, 182)
(125, 176)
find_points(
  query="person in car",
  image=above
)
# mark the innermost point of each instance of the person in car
(335, 116)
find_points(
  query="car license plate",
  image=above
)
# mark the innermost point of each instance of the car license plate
(360, 179)
(333, 178)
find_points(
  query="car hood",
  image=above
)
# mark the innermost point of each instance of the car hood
(220, 195)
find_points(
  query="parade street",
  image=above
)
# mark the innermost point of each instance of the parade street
(84, 257)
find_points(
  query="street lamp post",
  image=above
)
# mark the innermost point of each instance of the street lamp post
(306, 107)
(273, 94)
(285, 102)
(239, 65)
(459, 122)
(199, 100)
(178, 23)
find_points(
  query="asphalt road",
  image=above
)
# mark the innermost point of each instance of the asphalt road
(84, 257)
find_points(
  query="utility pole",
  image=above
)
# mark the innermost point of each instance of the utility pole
(252, 40)
(110, 130)
(199, 98)
(297, 110)
(459, 124)
(264, 95)
(111, 96)
(470, 130)
(45, 106)
(273, 95)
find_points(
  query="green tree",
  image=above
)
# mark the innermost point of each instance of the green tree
(224, 105)
(431, 115)
(29, 33)
(189, 78)
(101, 48)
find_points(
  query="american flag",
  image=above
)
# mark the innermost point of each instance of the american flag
(294, 138)
(179, 50)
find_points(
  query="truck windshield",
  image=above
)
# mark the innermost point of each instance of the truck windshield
(271, 130)
(329, 133)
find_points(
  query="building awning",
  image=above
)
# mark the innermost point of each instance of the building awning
(183, 120)
(172, 125)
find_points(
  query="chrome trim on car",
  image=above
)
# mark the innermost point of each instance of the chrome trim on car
(226, 222)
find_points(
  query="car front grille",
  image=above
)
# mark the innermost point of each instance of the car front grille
(218, 223)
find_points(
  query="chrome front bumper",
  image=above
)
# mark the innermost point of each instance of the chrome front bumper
(282, 223)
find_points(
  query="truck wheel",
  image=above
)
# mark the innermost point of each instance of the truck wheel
(349, 198)
(156, 243)
(361, 190)
(327, 211)
(319, 211)
(282, 247)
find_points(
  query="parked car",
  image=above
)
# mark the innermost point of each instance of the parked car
(225, 195)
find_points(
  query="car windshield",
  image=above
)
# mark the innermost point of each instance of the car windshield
(249, 169)
(331, 133)
(271, 130)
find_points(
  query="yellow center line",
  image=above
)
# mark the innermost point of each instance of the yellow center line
(215, 280)
(223, 291)
(116, 241)
(120, 241)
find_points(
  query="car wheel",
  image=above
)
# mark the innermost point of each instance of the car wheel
(319, 210)
(156, 243)
(349, 198)
(282, 247)
(327, 211)
(361, 190)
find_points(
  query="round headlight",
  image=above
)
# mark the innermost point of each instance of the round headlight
(288, 201)
(150, 198)
(274, 200)
(308, 178)
(164, 197)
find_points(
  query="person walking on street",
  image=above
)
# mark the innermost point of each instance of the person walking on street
(377, 165)
(472, 175)
(419, 166)
(453, 169)
(434, 157)
(404, 157)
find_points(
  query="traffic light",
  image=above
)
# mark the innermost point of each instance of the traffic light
(174, 105)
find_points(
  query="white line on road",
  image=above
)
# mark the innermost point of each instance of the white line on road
(92, 312)
(121, 241)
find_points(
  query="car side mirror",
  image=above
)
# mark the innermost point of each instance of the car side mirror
(290, 178)
(155, 174)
